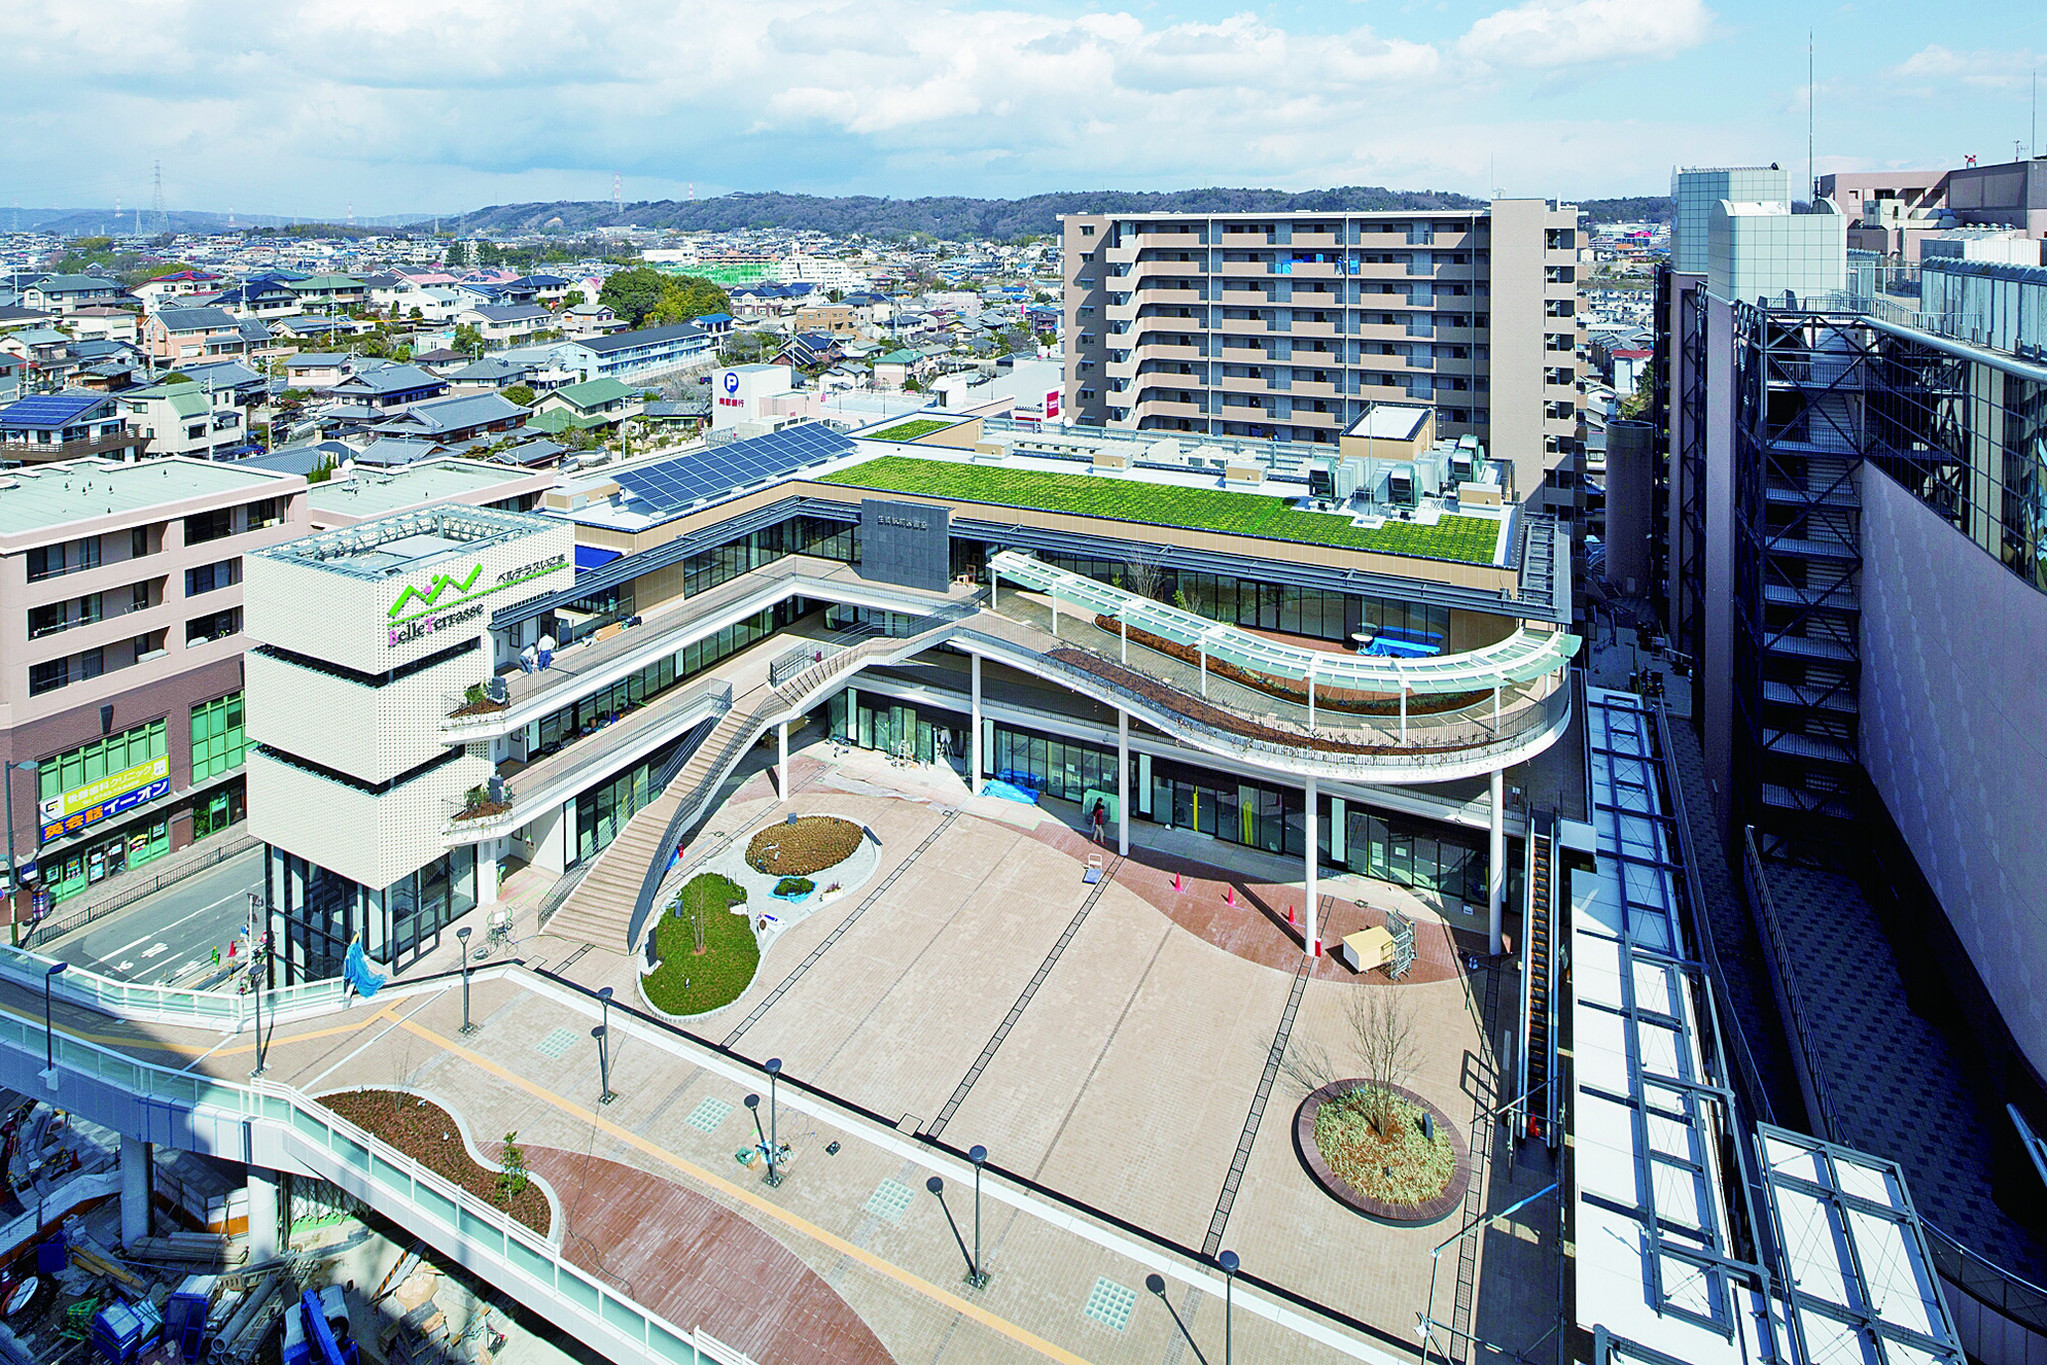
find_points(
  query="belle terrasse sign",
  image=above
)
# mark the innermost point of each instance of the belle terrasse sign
(466, 605)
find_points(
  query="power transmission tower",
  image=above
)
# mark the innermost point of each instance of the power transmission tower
(161, 219)
(617, 195)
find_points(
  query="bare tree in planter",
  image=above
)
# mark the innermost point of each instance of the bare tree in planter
(1142, 575)
(1382, 1030)
(1379, 1036)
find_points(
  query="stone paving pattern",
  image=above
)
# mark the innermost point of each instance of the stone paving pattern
(1125, 1085)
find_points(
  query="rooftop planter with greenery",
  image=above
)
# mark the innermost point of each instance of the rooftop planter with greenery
(1468, 540)
(910, 431)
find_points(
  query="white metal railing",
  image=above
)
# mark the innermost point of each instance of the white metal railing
(379, 1174)
(1521, 657)
(166, 1004)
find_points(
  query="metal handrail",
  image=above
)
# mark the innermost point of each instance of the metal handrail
(354, 1155)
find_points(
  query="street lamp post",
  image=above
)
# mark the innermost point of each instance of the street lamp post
(462, 945)
(974, 1276)
(753, 1107)
(7, 768)
(259, 970)
(977, 1277)
(1228, 1261)
(54, 970)
(774, 1067)
(1156, 1283)
(602, 1035)
(604, 1005)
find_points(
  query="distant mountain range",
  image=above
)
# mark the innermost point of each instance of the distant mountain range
(952, 216)
(959, 218)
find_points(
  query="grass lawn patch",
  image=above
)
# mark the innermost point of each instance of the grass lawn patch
(1399, 1167)
(1468, 540)
(796, 848)
(910, 431)
(685, 981)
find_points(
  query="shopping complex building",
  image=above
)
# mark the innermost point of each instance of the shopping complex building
(1339, 662)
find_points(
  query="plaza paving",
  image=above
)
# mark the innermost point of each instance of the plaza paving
(1128, 1083)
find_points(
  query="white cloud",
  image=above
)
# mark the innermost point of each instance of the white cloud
(1996, 70)
(1559, 33)
(429, 105)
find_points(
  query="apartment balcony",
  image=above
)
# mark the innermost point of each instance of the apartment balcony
(1241, 383)
(1189, 240)
(1168, 408)
(1308, 327)
(1245, 327)
(32, 453)
(1308, 388)
(1244, 270)
(1314, 270)
(1149, 351)
(1167, 294)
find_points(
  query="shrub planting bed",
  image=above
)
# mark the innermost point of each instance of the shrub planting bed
(794, 888)
(1205, 713)
(1295, 690)
(427, 1133)
(807, 844)
(1394, 1170)
(685, 981)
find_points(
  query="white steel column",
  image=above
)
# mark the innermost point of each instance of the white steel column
(1311, 696)
(782, 758)
(974, 748)
(487, 872)
(1308, 943)
(1123, 624)
(1122, 783)
(135, 1183)
(1496, 855)
(1403, 713)
(1202, 645)
(266, 1228)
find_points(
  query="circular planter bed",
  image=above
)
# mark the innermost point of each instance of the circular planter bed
(1339, 1146)
(685, 982)
(799, 847)
(431, 1136)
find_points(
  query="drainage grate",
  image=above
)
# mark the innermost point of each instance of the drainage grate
(1109, 1304)
(556, 1044)
(709, 1113)
(890, 1201)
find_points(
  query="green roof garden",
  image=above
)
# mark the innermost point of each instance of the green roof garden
(910, 431)
(1468, 540)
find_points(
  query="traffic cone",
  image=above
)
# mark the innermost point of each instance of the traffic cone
(1229, 895)
(1290, 912)
(1176, 883)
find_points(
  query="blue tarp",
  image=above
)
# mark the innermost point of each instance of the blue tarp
(355, 969)
(590, 557)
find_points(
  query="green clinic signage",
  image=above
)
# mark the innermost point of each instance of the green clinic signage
(450, 599)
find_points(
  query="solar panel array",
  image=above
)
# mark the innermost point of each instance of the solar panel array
(50, 409)
(672, 485)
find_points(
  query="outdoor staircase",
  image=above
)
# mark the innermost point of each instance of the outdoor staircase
(613, 901)
(1538, 980)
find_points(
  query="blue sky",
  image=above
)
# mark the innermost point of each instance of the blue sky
(442, 105)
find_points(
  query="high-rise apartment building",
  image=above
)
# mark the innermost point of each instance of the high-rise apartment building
(1289, 326)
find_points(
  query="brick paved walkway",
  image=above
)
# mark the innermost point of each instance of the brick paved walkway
(694, 1261)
